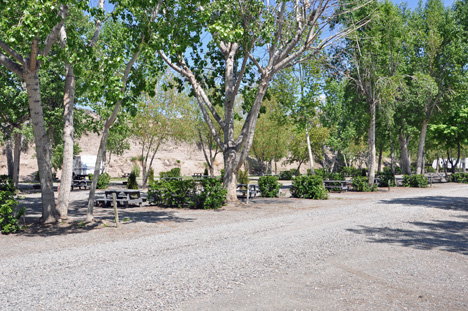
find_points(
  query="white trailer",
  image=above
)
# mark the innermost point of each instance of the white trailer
(84, 164)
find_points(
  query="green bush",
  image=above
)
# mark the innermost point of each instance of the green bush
(269, 186)
(103, 181)
(243, 177)
(361, 184)
(175, 172)
(205, 172)
(288, 175)
(418, 181)
(386, 178)
(212, 195)
(132, 181)
(136, 169)
(429, 169)
(459, 177)
(222, 174)
(185, 193)
(151, 176)
(309, 187)
(9, 220)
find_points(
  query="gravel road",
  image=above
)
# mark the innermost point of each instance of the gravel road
(406, 249)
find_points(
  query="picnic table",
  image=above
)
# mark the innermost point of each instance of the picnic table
(253, 190)
(434, 177)
(81, 181)
(124, 197)
(336, 185)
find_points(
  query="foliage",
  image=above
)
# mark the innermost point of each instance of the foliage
(136, 169)
(361, 184)
(132, 181)
(269, 186)
(288, 175)
(205, 172)
(175, 172)
(243, 177)
(185, 193)
(459, 177)
(417, 180)
(386, 178)
(103, 181)
(151, 176)
(9, 220)
(309, 187)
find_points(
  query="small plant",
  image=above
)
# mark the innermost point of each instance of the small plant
(136, 169)
(37, 177)
(205, 172)
(175, 172)
(133, 159)
(459, 177)
(132, 181)
(386, 178)
(222, 174)
(103, 181)
(285, 175)
(309, 187)
(417, 181)
(9, 220)
(243, 177)
(361, 184)
(81, 224)
(212, 195)
(269, 186)
(126, 219)
(151, 176)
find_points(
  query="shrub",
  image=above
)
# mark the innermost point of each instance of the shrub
(185, 193)
(386, 178)
(222, 174)
(418, 181)
(205, 172)
(243, 177)
(9, 220)
(309, 187)
(459, 177)
(151, 176)
(269, 186)
(429, 169)
(175, 172)
(136, 169)
(212, 195)
(132, 181)
(285, 175)
(361, 184)
(103, 181)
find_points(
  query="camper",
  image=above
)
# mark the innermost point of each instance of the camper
(84, 165)
(461, 164)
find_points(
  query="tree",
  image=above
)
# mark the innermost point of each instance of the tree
(165, 116)
(24, 47)
(271, 135)
(439, 55)
(250, 41)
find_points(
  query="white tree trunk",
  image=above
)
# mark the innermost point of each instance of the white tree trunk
(67, 170)
(9, 155)
(422, 140)
(49, 212)
(311, 156)
(371, 141)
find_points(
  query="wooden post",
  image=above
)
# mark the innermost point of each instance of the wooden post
(114, 199)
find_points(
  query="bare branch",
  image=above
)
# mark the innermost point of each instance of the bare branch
(97, 27)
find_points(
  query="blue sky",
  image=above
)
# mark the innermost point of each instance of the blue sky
(412, 4)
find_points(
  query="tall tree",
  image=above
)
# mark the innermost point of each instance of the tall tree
(27, 32)
(249, 42)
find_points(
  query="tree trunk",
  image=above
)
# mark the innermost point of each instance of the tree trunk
(97, 168)
(67, 169)
(311, 156)
(404, 155)
(379, 167)
(438, 163)
(230, 174)
(392, 157)
(9, 156)
(49, 212)
(17, 158)
(371, 141)
(422, 140)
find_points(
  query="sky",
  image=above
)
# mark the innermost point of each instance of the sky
(412, 4)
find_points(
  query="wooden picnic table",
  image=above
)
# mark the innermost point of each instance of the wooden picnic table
(124, 197)
(336, 184)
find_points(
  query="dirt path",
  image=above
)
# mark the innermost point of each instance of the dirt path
(403, 249)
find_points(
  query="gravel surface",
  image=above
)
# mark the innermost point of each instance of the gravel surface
(406, 249)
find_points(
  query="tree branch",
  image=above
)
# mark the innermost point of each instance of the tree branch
(12, 53)
(50, 40)
(11, 65)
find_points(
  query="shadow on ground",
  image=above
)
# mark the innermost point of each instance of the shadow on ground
(441, 202)
(77, 213)
(446, 235)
